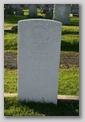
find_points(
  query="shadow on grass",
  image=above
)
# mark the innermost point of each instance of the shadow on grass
(63, 108)
(37, 17)
(67, 46)
(69, 32)
(13, 19)
(10, 31)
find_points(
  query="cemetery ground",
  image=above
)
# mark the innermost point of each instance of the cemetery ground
(68, 73)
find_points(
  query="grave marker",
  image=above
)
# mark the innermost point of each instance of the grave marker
(32, 10)
(38, 59)
(62, 13)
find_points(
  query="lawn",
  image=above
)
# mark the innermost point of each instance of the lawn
(68, 77)
(69, 39)
(68, 84)
(13, 107)
(10, 41)
(12, 20)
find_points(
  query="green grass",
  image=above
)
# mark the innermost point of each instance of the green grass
(68, 78)
(13, 107)
(12, 20)
(70, 42)
(10, 40)
(74, 21)
(10, 81)
(69, 39)
(68, 81)
(70, 29)
(26, 12)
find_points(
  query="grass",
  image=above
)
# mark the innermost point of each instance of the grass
(12, 20)
(10, 40)
(74, 21)
(68, 78)
(69, 39)
(68, 84)
(10, 81)
(68, 81)
(13, 107)
(70, 42)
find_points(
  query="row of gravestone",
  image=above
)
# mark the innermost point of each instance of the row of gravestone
(10, 9)
(60, 13)
(39, 42)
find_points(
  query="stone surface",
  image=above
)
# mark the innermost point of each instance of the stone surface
(74, 9)
(62, 13)
(32, 10)
(49, 14)
(38, 59)
(17, 9)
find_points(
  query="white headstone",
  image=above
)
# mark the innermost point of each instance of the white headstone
(39, 57)
(32, 10)
(62, 13)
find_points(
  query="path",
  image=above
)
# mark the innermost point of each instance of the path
(67, 60)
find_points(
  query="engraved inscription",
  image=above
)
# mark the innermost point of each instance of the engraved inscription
(40, 37)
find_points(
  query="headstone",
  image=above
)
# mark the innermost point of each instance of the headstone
(8, 10)
(13, 6)
(74, 9)
(39, 57)
(32, 10)
(25, 6)
(19, 10)
(49, 14)
(62, 13)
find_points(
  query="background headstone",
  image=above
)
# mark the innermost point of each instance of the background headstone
(32, 10)
(62, 13)
(74, 9)
(19, 10)
(39, 57)
(8, 9)
(49, 14)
